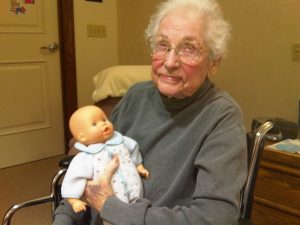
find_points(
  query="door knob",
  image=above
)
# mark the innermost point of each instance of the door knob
(52, 47)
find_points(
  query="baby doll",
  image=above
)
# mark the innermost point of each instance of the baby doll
(98, 143)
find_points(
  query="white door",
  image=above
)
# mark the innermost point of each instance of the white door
(31, 115)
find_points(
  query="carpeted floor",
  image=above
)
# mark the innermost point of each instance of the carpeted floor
(24, 182)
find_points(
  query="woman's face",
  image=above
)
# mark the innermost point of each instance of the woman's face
(173, 77)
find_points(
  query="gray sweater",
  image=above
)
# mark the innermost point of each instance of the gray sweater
(195, 151)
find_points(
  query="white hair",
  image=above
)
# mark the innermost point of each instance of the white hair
(217, 30)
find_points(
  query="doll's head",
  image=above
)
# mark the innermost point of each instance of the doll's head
(89, 125)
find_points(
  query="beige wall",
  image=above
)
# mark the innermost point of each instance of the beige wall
(94, 54)
(131, 26)
(125, 25)
(258, 72)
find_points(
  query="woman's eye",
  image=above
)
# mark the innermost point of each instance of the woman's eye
(94, 123)
(161, 46)
(187, 47)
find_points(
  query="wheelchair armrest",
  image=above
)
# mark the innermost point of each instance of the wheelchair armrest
(65, 162)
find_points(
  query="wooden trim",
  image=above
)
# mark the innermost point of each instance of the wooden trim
(68, 62)
(277, 206)
(280, 168)
(281, 157)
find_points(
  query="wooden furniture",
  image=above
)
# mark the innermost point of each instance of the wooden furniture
(277, 190)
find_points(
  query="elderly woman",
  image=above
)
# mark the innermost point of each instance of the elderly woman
(191, 134)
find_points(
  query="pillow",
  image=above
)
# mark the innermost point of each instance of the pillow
(115, 81)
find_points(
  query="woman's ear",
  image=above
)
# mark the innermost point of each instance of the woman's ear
(214, 66)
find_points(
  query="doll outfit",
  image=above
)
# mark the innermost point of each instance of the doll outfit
(91, 162)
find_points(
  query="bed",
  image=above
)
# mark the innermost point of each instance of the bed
(112, 83)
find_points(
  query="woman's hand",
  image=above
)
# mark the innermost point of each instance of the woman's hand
(98, 191)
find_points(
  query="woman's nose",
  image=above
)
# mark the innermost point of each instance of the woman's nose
(171, 59)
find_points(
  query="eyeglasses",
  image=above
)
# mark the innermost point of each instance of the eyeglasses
(188, 51)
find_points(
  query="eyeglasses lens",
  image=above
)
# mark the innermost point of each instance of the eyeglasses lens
(187, 51)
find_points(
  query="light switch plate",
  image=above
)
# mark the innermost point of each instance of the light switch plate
(296, 51)
(98, 31)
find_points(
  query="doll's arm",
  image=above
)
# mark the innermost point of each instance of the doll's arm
(77, 204)
(144, 173)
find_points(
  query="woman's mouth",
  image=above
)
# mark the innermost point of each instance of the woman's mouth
(169, 79)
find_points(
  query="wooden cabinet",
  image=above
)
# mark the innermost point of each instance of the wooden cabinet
(277, 190)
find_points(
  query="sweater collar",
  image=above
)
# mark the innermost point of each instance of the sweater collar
(116, 139)
(173, 104)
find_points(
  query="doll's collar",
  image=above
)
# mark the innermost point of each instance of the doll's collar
(116, 139)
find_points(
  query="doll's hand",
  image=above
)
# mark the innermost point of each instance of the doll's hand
(77, 204)
(143, 172)
(98, 191)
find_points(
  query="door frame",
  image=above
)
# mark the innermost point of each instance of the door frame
(67, 63)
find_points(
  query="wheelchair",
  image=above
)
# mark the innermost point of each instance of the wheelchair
(255, 145)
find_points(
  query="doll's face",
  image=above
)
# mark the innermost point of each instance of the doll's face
(89, 125)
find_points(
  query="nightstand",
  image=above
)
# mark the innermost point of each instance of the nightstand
(277, 190)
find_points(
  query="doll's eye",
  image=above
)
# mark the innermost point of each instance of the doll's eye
(94, 123)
